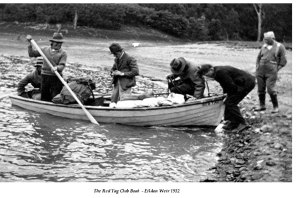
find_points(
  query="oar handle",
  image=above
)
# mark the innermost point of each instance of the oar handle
(91, 118)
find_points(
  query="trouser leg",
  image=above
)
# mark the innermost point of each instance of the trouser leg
(232, 111)
(45, 88)
(115, 94)
(271, 87)
(274, 100)
(56, 86)
(261, 81)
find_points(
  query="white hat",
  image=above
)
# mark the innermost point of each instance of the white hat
(269, 35)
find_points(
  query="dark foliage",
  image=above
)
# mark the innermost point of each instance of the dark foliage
(188, 21)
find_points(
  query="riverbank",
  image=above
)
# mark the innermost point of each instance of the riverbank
(260, 154)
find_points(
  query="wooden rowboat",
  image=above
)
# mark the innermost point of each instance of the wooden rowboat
(203, 112)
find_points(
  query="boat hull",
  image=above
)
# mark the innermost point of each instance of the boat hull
(203, 112)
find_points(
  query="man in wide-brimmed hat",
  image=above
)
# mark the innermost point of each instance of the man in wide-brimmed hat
(51, 85)
(189, 82)
(34, 78)
(270, 60)
(124, 70)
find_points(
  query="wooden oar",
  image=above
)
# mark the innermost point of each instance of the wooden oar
(91, 118)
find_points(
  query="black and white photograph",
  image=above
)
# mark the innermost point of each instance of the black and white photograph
(146, 99)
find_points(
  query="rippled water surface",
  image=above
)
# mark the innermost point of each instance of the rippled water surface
(41, 147)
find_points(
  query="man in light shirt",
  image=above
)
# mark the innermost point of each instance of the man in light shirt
(50, 83)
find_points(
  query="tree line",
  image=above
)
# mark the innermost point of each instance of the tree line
(200, 22)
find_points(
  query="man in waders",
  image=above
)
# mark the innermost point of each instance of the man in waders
(271, 58)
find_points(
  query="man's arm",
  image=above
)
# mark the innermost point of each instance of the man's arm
(281, 57)
(62, 62)
(134, 70)
(199, 83)
(258, 59)
(32, 52)
(22, 84)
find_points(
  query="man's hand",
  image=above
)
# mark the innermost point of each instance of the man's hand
(171, 76)
(118, 73)
(55, 69)
(29, 38)
(191, 99)
(278, 67)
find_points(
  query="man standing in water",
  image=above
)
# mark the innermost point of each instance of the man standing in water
(50, 83)
(271, 58)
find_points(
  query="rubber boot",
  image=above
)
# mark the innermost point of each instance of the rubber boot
(274, 102)
(262, 106)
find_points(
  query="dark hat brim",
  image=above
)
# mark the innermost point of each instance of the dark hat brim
(57, 41)
(183, 64)
(179, 71)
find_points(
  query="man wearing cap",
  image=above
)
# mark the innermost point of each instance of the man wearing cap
(190, 83)
(236, 84)
(271, 58)
(50, 84)
(34, 78)
(124, 70)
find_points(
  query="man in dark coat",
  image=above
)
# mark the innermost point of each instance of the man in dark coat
(190, 83)
(236, 84)
(124, 70)
(34, 78)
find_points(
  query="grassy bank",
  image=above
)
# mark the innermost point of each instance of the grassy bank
(127, 32)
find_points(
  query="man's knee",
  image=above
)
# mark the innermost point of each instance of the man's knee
(272, 91)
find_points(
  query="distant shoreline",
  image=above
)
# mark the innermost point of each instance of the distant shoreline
(128, 33)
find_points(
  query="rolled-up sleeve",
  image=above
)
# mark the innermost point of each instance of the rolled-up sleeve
(32, 52)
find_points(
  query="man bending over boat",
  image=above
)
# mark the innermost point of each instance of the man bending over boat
(236, 84)
(34, 78)
(124, 70)
(50, 83)
(190, 83)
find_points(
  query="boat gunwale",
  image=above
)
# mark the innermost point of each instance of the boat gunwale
(75, 106)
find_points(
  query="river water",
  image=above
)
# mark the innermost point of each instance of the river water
(40, 147)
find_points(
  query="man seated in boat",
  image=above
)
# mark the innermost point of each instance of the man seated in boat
(124, 70)
(189, 83)
(34, 78)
